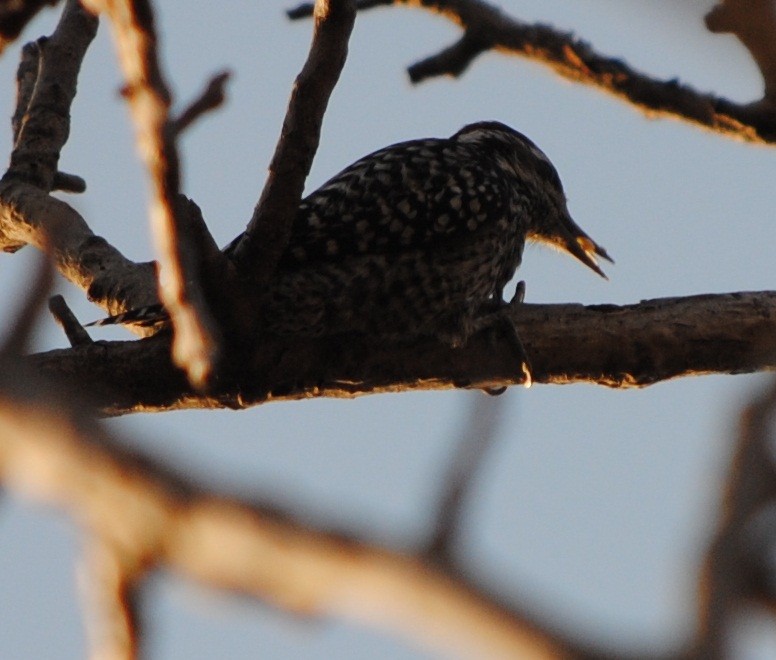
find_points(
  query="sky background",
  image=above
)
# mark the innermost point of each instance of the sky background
(595, 506)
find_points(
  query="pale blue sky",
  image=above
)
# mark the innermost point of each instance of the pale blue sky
(595, 506)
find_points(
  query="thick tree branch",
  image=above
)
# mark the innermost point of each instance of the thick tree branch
(46, 85)
(260, 249)
(486, 27)
(615, 346)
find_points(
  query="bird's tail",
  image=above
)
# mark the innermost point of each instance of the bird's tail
(147, 316)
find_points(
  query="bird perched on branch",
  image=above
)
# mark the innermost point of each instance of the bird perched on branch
(417, 239)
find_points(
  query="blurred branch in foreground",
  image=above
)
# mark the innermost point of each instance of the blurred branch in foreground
(738, 571)
(140, 516)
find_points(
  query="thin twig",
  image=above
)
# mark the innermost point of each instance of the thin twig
(195, 345)
(258, 253)
(453, 60)
(209, 99)
(576, 60)
(75, 332)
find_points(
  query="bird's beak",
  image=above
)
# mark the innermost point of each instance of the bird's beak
(584, 248)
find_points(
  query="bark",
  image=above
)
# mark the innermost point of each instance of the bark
(616, 346)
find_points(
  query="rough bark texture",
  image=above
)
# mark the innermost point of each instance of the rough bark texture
(616, 346)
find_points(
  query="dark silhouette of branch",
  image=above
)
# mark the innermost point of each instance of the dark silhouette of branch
(260, 249)
(15, 14)
(75, 332)
(209, 99)
(44, 95)
(753, 22)
(488, 28)
(616, 346)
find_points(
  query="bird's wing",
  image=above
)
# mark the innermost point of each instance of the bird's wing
(413, 194)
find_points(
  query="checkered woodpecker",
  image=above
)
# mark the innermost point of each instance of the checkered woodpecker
(416, 239)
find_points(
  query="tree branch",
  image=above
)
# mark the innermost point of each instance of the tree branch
(46, 85)
(753, 22)
(260, 249)
(145, 516)
(615, 346)
(15, 15)
(574, 59)
(209, 99)
(42, 120)
(195, 344)
(76, 334)
(30, 215)
(109, 577)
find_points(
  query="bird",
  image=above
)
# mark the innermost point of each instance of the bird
(417, 239)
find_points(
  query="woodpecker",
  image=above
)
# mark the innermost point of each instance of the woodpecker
(418, 239)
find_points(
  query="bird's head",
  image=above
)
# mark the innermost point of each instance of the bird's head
(538, 180)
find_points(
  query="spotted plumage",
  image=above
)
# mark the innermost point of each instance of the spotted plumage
(417, 239)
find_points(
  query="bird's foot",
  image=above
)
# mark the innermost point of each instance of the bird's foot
(499, 321)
